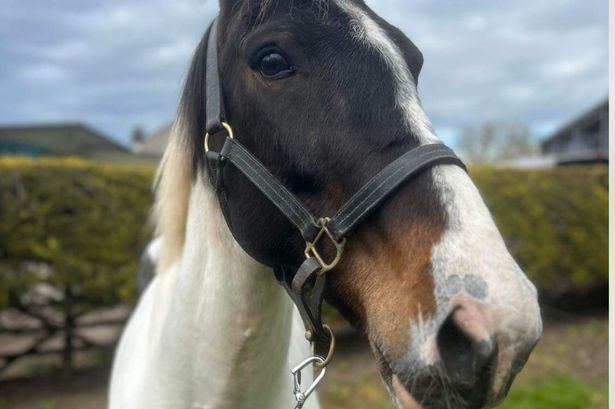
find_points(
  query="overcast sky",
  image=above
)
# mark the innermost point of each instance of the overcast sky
(117, 63)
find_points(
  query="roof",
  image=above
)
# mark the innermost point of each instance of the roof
(156, 143)
(585, 117)
(62, 139)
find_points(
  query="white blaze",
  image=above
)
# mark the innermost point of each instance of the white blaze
(366, 30)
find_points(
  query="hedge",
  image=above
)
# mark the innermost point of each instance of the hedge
(555, 223)
(80, 226)
(73, 224)
(70, 235)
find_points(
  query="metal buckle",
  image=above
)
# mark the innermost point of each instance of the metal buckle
(301, 396)
(312, 251)
(229, 132)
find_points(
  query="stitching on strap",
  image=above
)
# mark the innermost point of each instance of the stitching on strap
(394, 173)
(358, 206)
(299, 220)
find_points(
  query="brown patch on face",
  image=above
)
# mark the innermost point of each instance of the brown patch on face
(386, 280)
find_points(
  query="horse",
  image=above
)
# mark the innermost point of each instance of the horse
(324, 94)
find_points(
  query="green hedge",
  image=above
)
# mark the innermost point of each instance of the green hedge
(555, 223)
(78, 226)
(87, 222)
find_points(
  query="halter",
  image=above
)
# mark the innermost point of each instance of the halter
(306, 285)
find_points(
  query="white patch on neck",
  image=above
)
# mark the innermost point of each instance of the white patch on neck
(214, 324)
(369, 32)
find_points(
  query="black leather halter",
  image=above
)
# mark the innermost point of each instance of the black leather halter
(306, 285)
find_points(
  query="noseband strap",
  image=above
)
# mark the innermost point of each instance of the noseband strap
(381, 186)
(306, 286)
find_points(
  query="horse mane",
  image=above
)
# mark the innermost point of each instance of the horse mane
(180, 163)
(172, 187)
(184, 155)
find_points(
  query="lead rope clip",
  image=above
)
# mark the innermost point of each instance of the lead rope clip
(300, 395)
(318, 362)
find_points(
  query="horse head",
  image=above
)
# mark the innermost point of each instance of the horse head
(324, 93)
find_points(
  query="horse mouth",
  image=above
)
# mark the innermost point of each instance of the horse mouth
(427, 391)
(423, 392)
(399, 393)
(386, 372)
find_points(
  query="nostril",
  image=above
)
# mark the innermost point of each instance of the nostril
(456, 351)
(464, 351)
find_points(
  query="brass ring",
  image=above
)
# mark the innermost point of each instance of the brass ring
(229, 132)
(326, 359)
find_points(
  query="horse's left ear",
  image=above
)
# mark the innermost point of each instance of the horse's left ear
(416, 63)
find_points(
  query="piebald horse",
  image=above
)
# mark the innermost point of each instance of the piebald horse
(324, 94)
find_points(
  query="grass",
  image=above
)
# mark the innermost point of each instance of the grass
(559, 392)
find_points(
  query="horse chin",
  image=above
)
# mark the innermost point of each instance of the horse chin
(404, 399)
(399, 394)
(428, 393)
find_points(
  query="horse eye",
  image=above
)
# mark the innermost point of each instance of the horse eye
(274, 66)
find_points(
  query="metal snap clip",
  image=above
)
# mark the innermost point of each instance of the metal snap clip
(300, 395)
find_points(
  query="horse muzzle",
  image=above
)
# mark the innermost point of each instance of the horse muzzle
(469, 365)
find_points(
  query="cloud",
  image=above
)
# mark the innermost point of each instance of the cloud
(534, 61)
(113, 64)
(116, 64)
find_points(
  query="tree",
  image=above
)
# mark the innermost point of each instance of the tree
(493, 142)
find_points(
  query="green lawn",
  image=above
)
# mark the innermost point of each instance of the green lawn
(560, 392)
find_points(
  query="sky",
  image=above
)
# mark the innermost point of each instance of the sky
(116, 64)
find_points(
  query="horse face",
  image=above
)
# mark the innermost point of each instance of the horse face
(324, 94)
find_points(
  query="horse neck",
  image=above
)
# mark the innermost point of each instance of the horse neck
(234, 318)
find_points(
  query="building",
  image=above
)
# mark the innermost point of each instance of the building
(583, 140)
(68, 139)
(153, 145)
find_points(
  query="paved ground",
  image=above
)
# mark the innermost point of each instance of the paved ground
(577, 348)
